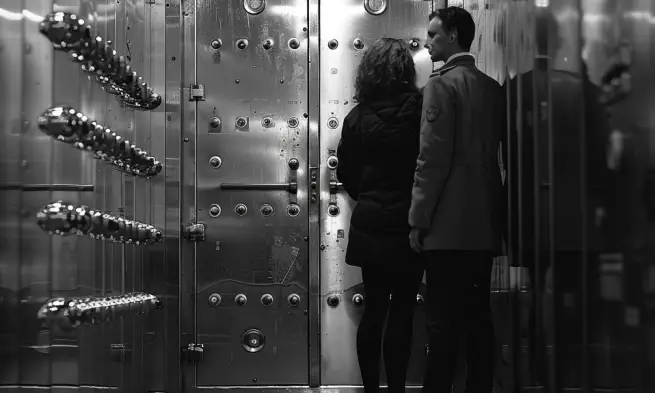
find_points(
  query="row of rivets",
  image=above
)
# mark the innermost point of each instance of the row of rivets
(358, 300)
(242, 122)
(266, 210)
(215, 300)
(216, 162)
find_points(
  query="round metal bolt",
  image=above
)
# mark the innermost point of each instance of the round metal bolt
(333, 300)
(292, 122)
(419, 299)
(241, 209)
(242, 44)
(215, 300)
(267, 122)
(414, 44)
(293, 300)
(241, 299)
(216, 43)
(241, 122)
(266, 210)
(358, 44)
(333, 210)
(215, 122)
(215, 162)
(293, 210)
(332, 162)
(333, 44)
(358, 299)
(294, 43)
(294, 164)
(267, 300)
(268, 44)
(333, 123)
(214, 210)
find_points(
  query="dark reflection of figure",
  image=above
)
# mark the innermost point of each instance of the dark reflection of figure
(377, 156)
(579, 127)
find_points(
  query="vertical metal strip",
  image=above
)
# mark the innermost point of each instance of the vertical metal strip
(314, 154)
(586, 376)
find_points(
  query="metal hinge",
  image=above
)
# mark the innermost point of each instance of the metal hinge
(195, 232)
(193, 353)
(196, 92)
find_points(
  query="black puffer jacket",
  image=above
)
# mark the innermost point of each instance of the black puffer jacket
(377, 158)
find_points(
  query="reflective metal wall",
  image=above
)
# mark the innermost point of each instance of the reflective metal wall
(37, 170)
(251, 270)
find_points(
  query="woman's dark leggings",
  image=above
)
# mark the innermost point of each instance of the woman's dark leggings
(402, 285)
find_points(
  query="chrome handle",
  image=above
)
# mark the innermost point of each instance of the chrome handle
(291, 187)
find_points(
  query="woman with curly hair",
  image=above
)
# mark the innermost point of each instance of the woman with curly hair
(377, 158)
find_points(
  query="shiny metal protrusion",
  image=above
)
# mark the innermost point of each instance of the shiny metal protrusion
(294, 43)
(414, 43)
(242, 44)
(293, 210)
(293, 300)
(267, 300)
(333, 301)
(333, 44)
(215, 162)
(333, 210)
(214, 210)
(215, 122)
(358, 44)
(267, 44)
(375, 7)
(241, 209)
(241, 122)
(292, 122)
(266, 210)
(419, 299)
(253, 340)
(358, 299)
(216, 43)
(267, 122)
(240, 299)
(333, 123)
(215, 300)
(254, 7)
(332, 162)
(294, 164)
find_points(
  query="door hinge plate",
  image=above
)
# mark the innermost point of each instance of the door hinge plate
(196, 92)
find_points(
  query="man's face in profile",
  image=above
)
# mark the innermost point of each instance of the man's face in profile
(437, 40)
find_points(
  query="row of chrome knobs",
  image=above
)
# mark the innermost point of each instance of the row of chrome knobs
(68, 33)
(266, 210)
(65, 219)
(72, 127)
(70, 313)
(266, 300)
(242, 122)
(332, 162)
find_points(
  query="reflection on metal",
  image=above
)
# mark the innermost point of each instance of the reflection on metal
(70, 313)
(241, 299)
(420, 299)
(68, 33)
(253, 340)
(48, 187)
(59, 218)
(196, 92)
(358, 299)
(69, 126)
(375, 7)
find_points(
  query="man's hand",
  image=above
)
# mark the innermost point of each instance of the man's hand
(416, 240)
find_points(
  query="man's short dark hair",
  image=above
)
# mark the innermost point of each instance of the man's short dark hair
(460, 19)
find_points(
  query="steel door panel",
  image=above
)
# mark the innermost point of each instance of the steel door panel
(345, 21)
(255, 253)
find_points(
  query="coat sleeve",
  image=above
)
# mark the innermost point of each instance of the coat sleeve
(349, 171)
(437, 145)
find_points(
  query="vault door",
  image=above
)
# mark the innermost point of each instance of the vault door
(251, 166)
(347, 28)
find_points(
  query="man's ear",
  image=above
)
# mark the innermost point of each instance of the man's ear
(452, 37)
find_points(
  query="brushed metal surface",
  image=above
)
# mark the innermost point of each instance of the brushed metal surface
(253, 254)
(345, 21)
